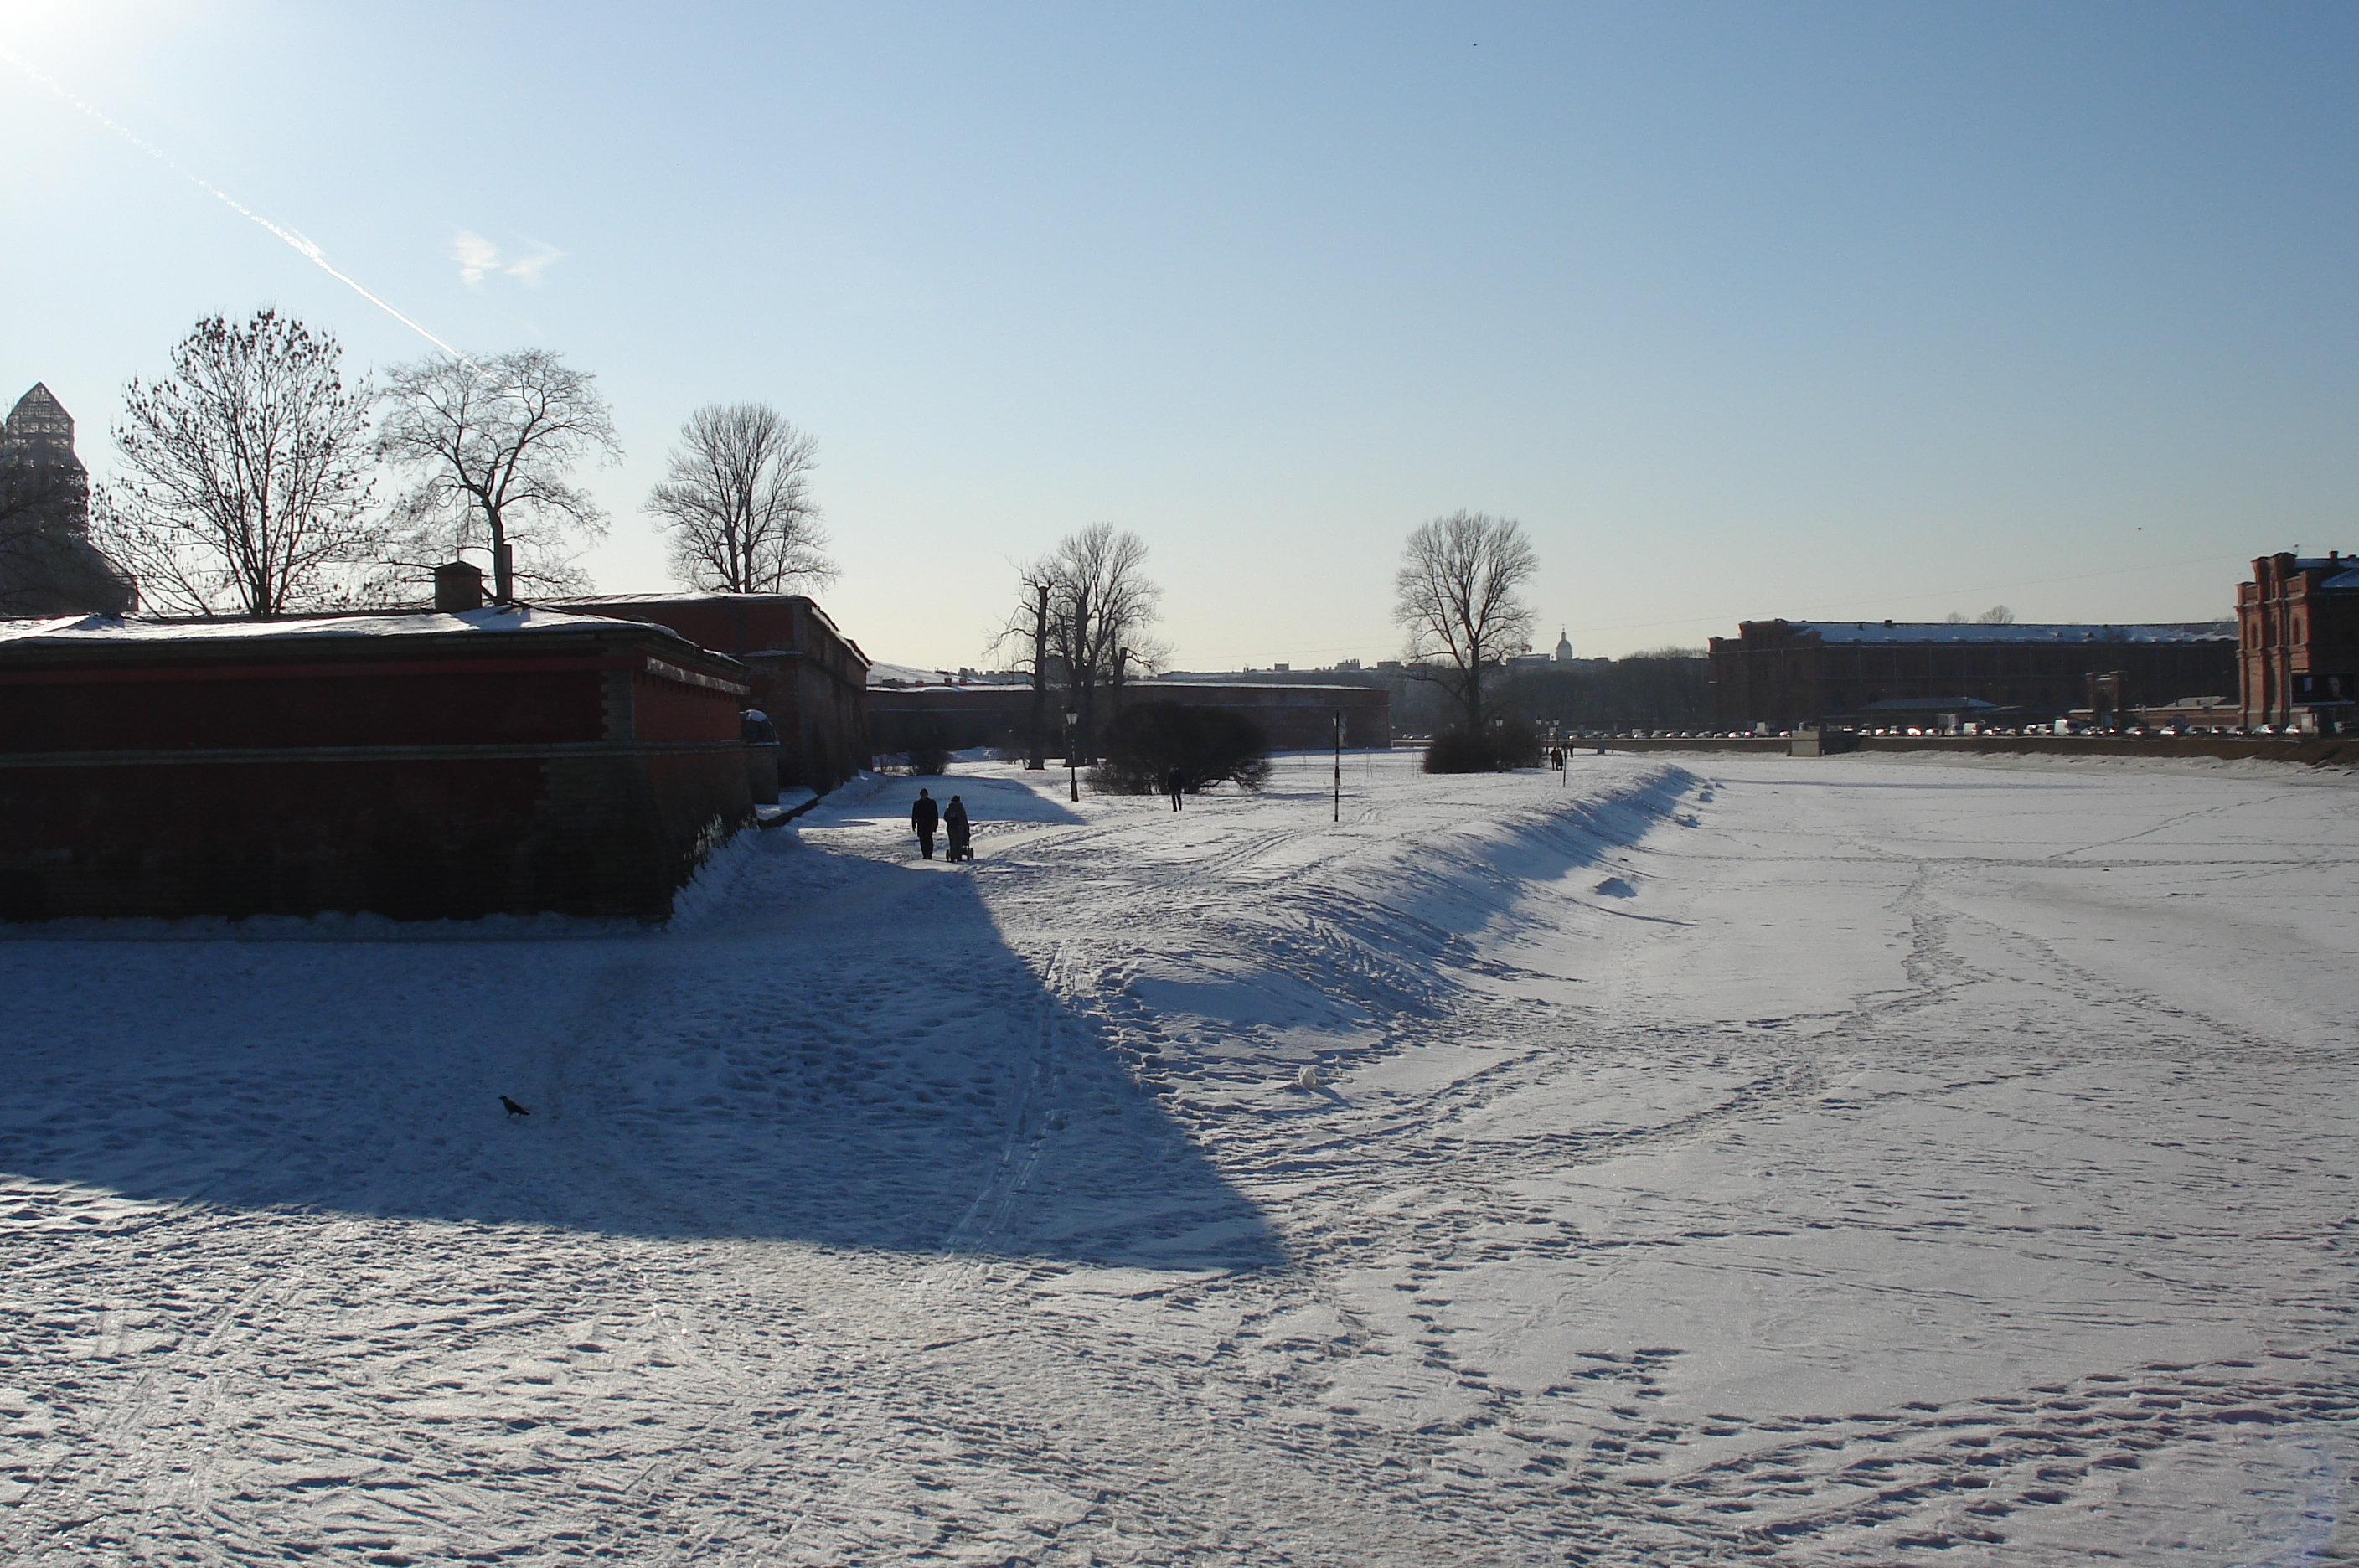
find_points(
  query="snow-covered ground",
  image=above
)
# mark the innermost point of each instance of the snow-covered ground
(1708, 1159)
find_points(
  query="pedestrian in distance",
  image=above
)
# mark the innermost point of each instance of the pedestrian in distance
(956, 832)
(924, 816)
(1176, 785)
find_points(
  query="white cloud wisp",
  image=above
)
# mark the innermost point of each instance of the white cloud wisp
(478, 258)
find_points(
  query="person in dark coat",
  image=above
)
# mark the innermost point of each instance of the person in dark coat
(955, 831)
(924, 816)
(1176, 785)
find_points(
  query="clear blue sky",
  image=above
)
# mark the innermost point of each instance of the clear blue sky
(1744, 310)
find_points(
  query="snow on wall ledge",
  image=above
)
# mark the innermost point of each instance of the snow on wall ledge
(71, 631)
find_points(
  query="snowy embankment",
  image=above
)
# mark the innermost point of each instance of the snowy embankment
(1803, 1160)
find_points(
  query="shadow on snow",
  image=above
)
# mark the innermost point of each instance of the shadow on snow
(846, 1053)
(988, 800)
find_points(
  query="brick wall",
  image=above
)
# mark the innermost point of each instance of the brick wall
(432, 775)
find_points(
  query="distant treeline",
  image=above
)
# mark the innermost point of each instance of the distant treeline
(1665, 689)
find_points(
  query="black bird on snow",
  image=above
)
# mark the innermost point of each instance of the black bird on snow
(514, 1109)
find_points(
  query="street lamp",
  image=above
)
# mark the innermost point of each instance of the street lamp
(1073, 767)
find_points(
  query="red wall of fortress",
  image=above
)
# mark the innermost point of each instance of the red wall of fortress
(436, 775)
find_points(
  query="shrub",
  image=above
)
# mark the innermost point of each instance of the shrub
(1207, 746)
(1507, 743)
(926, 760)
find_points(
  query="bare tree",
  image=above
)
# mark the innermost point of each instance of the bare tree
(494, 442)
(736, 499)
(1458, 598)
(1099, 605)
(1996, 616)
(249, 482)
(1026, 633)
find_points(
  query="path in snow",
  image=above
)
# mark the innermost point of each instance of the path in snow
(1734, 1158)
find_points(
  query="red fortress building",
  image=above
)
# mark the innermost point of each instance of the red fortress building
(807, 676)
(508, 760)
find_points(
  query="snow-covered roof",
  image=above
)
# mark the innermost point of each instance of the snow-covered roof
(94, 631)
(1975, 631)
(890, 676)
(681, 596)
(907, 675)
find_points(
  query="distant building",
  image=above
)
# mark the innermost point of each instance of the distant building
(1294, 715)
(48, 565)
(2298, 644)
(1560, 660)
(1785, 673)
(809, 678)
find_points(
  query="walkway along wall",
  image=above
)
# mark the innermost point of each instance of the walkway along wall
(809, 676)
(416, 766)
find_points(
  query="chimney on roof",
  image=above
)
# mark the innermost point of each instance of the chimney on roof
(458, 586)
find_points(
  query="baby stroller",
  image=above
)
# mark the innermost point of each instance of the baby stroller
(959, 847)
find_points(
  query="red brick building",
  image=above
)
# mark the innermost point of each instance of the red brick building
(507, 760)
(809, 678)
(2298, 652)
(1785, 673)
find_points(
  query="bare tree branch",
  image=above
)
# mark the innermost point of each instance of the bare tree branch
(1100, 605)
(1459, 600)
(249, 473)
(736, 501)
(493, 441)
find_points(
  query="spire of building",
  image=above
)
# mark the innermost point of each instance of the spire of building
(50, 567)
(39, 428)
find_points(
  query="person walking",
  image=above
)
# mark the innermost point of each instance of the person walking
(956, 832)
(1176, 785)
(924, 816)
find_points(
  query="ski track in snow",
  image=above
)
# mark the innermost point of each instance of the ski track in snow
(1714, 1159)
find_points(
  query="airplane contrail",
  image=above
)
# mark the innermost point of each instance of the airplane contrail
(301, 244)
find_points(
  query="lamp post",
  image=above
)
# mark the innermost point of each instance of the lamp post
(1073, 767)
